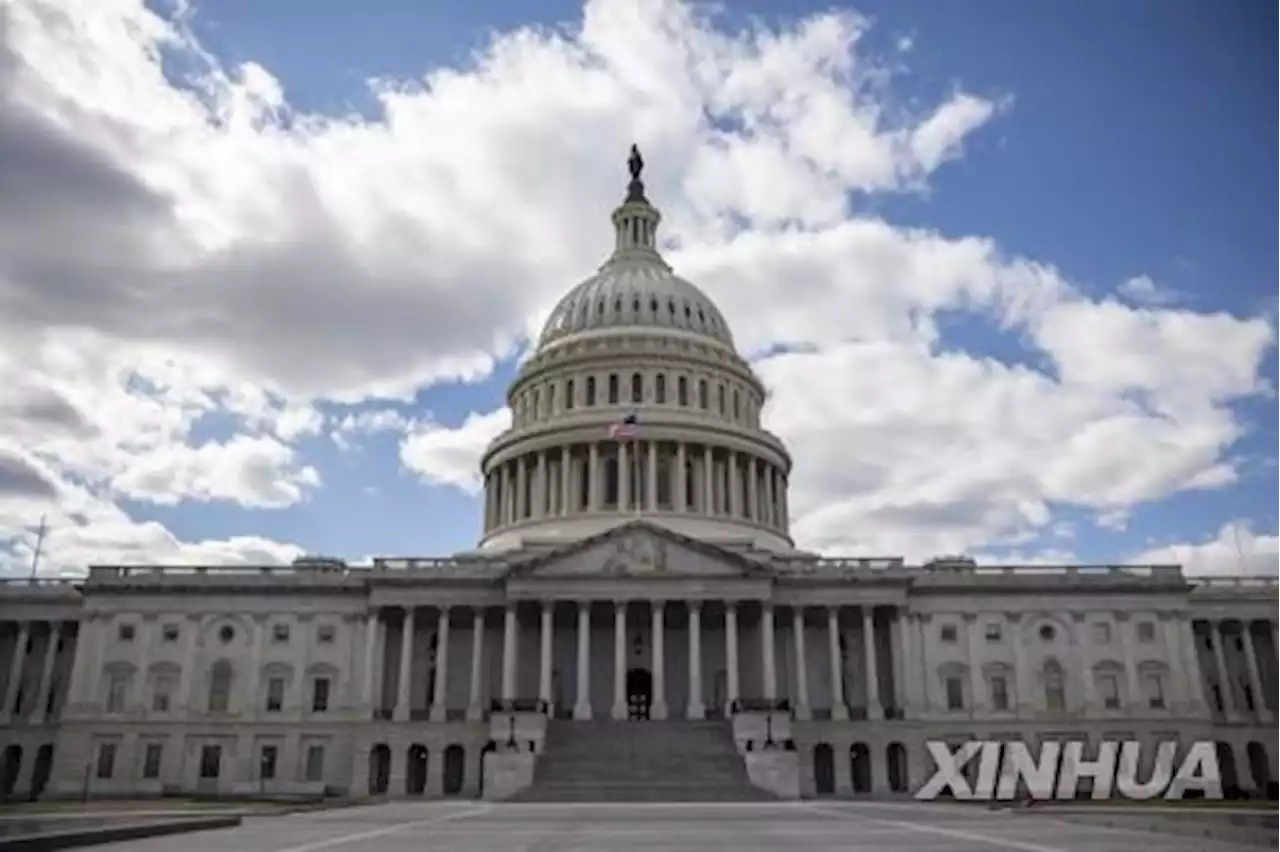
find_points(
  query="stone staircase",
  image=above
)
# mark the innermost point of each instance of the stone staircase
(650, 761)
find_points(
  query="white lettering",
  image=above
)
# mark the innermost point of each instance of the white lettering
(1199, 771)
(1127, 783)
(1036, 777)
(949, 773)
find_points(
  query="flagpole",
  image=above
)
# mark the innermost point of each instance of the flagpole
(35, 556)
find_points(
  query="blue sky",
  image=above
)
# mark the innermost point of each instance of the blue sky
(1128, 140)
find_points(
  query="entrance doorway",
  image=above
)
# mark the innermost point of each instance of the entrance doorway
(639, 693)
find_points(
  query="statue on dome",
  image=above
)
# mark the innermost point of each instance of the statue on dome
(635, 163)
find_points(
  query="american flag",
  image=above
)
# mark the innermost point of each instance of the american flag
(624, 428)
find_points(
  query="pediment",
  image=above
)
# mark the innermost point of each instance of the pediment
(640, 550)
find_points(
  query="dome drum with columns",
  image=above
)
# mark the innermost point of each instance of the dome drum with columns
(635, 339)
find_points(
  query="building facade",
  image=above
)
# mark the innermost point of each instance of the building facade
(635, 565)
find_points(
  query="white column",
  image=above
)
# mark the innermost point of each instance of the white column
(972, 637)
(582, 710)
(802, 665)
(249, 689)
(839, 709)
(475, 708)
(544, 656)
(771, 495)
(651, 489)
(708, 482)
(1255, 674)
(624, 477)
(680, 490)
(541, 490)
(509, 653)
(15, 670)
(522, 488)
(1023, 694)
(659, 706)
(766, 651)
(1132, 687)
(1224, 679)
(46, 673)
(784, 509)
(735, 486)
(619, 661)
(593, 477)
(566, 478)
(906, 694)
(187, 678)
(440, 704)
(406, 665)
(875, 710)
(696, 708)
(731, 653)
(753, 489)
(505, 505)
(1191, 659)
(370, 658)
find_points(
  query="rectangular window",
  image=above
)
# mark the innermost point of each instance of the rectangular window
(151, 760)
(1146, 631)
(315, 763)
(955, 693)
(948, 633)
(1101, 633)
(324, 634)
(320, 695)
(117, 692)
(1153, 686)
(162, 697)
(1109, 690)
(106, 760)
(126, 632)
(279, 633)
(169, 633)
(275, 694)
(999, 693)
(267, 762)
(992, 631)
(210, 761)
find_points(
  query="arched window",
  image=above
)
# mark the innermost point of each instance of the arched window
(220, 677)
(682, 391)
(1055, 697)
(591, 390)
(660, 389)
(637, 388)
(613, 388)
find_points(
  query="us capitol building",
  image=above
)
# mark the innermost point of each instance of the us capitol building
(634, 622)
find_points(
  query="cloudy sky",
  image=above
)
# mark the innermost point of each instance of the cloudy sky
(1008, 269)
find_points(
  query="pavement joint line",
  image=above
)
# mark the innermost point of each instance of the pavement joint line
(953, 833)
(330, 842)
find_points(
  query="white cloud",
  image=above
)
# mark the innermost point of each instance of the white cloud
(1234, 550)
(238, 260)
(1142, 290)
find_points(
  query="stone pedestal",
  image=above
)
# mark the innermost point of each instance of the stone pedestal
(775, 770)
(507, 773)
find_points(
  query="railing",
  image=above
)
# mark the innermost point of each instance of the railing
(1256, 581)
(759, 705)
(518, 705)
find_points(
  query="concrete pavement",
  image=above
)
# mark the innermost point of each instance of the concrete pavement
(745, 827)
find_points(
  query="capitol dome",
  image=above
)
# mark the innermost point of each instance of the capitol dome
(635, 405)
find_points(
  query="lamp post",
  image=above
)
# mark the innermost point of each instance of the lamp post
(262, 775)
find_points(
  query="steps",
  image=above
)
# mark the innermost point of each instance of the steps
(641, 761)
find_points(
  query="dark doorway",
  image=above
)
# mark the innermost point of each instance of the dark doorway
(824, 770)
(1227, 770)
(639, 693)
(415, 776)
(40, 773)
(379, 769)
(9, 771)
(896, 761)
(455, 769)
(1259, 766)
(489, 747)
(860, 767)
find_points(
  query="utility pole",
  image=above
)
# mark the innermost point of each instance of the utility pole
(35, 556)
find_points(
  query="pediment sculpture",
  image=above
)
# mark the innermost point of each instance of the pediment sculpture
(637, 553)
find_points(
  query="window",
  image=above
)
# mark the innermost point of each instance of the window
(660, 389)
(117, 691)
(126, 632)
(999, 693)
(220, 687)
(210, 761)
(279, 633)
(325, 634)
(1153, 688)
(314, 770)
(169, 633)
(682, 391)
(948, 633)
(1055, 692)
(591, 390)
(226, 634)
(737, 406)
(320, 695)
(1101, 633)
(1109, 691)
(1047, 632)
(568, 395)
(613, 388)
(637, 388)
(151, 760)
(106, 760)
(275, 694)
(162, 694)
(955, 693)
(702, 394)
(992, 631)
(1146, 631)
(267, 762)
(720, 397)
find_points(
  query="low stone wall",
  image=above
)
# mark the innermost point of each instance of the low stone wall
(74, 838)
(507, 773)
(777, 771)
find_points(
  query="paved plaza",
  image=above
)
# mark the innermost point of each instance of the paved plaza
(755, 827)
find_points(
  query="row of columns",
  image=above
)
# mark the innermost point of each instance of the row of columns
(1253, 671)
(17, 662)
(659, 709)
(701, 478)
